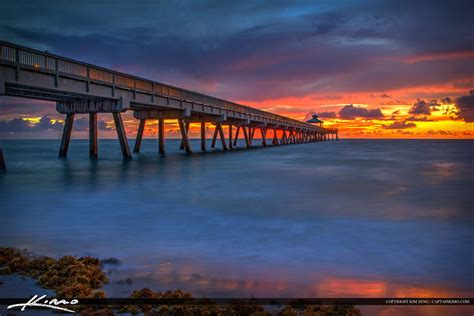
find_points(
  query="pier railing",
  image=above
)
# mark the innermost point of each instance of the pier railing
(47, 62)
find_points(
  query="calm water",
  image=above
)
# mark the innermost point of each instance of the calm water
(354, 218)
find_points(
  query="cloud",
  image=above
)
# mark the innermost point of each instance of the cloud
(46, 123)
(19, 124)
(399, 125)
(255, 50)
(350, 112)
(442, 132)
(82, 124)
(423, 107)
(446, 100)
(15, 125)
(465, 105)
(419, 119)
(327, 114)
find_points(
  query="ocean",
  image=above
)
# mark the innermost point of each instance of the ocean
(355, 218)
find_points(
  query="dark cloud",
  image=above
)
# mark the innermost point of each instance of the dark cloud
(19, 124)
(82, 124)
(102, 126)
(422, 107)
(419, 119)
(46, 123)
(444, 133)
(400, 125)
(15, 125)
(327, 114)
(465, 105)
(447, 100)
(252, 50)
(350, 112)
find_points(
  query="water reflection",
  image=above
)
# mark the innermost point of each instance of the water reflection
(365, 218)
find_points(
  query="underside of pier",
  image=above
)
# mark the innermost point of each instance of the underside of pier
(80, 88)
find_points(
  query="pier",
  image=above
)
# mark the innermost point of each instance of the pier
(81, 88)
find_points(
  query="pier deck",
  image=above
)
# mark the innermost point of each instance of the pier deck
(79, 87)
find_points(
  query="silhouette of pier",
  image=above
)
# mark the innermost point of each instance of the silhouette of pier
(78, 87)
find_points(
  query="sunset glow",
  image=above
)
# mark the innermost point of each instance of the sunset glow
(390, 72)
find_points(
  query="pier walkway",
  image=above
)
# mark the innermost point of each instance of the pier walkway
(78, 87)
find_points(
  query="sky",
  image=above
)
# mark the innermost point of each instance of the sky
(374, 69)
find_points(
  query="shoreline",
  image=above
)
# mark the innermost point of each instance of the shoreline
(75, 278)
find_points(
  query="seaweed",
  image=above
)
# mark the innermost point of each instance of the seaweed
(83, 277)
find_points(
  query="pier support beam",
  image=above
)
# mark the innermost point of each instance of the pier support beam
(236, 138)
(263, 130)
(122, 136)
(222, 135)
(203, 135)
(187, 132)
(3, 165)
(93, 135)
(251, 134)
(161, 136)
(246, 137)
(283, 138)
(184, 135)
(138, 141)
(66, 138)
(214, 137)
(275, 137)
(230, 136)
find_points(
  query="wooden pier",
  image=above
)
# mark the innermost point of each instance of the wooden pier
(84, 88)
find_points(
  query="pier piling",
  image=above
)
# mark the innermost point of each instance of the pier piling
(66, 138)
(93, 153)
(236, 138)
(122, 136)
(203, 134)
(3, 165)
(184, 136)
(161, 136)
(138, 141)
(86, 89)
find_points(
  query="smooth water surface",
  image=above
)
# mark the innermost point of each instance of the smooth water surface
(351, 218)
